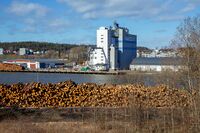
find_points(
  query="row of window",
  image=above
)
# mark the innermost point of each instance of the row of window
(101, 53)
(102, 39)
(96, 58)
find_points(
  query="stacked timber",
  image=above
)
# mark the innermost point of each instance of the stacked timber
(70, 94)
(10, 67)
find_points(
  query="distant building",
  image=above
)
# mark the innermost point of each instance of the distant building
(157, 53)
(116, 48)
(37, 64)
(1, 51)
(23, 51)
(28, 64)
(97, 56)
(156, 64)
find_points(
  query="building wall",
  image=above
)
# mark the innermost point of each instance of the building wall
(1, 51)
(22, 51)
(29, 64)
(157, 68)
(127, 48)
(113, 58)
(97, 56)
(33, 65)
(104, 40)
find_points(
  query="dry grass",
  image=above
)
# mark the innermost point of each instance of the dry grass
(112, 120)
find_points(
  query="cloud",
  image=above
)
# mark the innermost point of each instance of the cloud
(32, 18)
(23, 9)
(30, 29)
(152, 9)
(188, 8)
(58, 23)
(82, 5)
(169, 17)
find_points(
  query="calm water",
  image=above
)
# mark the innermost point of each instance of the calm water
(9, 78)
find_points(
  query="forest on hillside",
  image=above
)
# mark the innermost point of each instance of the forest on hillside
(36, 46)
(71, 52)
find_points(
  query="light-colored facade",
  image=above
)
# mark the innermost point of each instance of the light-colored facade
(157, 53)
(157, 68)
(26, 63)
(23, 51)
(97, 56)
(1, 51)
(113, 58)
(115, 47)
(156, 64)
(103, 41)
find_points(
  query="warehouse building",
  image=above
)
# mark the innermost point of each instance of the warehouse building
(116, 48)
(156, 64)
(28, 64)
(37, 64)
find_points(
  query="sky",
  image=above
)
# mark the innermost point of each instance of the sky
(76, 21)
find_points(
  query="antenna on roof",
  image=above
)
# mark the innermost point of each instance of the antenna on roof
(116, 25)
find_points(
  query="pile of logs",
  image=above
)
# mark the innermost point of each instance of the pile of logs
(70, 94)
(10, 67)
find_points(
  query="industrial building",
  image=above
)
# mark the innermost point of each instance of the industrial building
(28, 64)
(116, 48)
(37, 64)
(1, 51)
(157, 64)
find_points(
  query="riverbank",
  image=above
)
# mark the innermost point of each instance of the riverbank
(68, 71)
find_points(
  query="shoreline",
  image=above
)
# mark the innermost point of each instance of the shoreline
(121, 72)
(69, 72)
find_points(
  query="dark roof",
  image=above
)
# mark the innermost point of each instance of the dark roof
(157, 61)
(39, 60)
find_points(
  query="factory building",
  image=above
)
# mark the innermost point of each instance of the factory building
(29, 64)
(157, 64)
(37, 63)
(116, 48)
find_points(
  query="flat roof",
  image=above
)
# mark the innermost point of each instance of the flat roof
(157, 61)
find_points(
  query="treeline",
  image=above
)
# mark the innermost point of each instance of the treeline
(36, 46)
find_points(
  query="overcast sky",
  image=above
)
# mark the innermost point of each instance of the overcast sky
(76, 21)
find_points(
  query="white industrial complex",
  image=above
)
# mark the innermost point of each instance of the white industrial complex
(116, 48)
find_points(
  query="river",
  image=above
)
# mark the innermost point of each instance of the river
(16, 77)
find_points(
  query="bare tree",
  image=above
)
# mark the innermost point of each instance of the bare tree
(187, 40)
